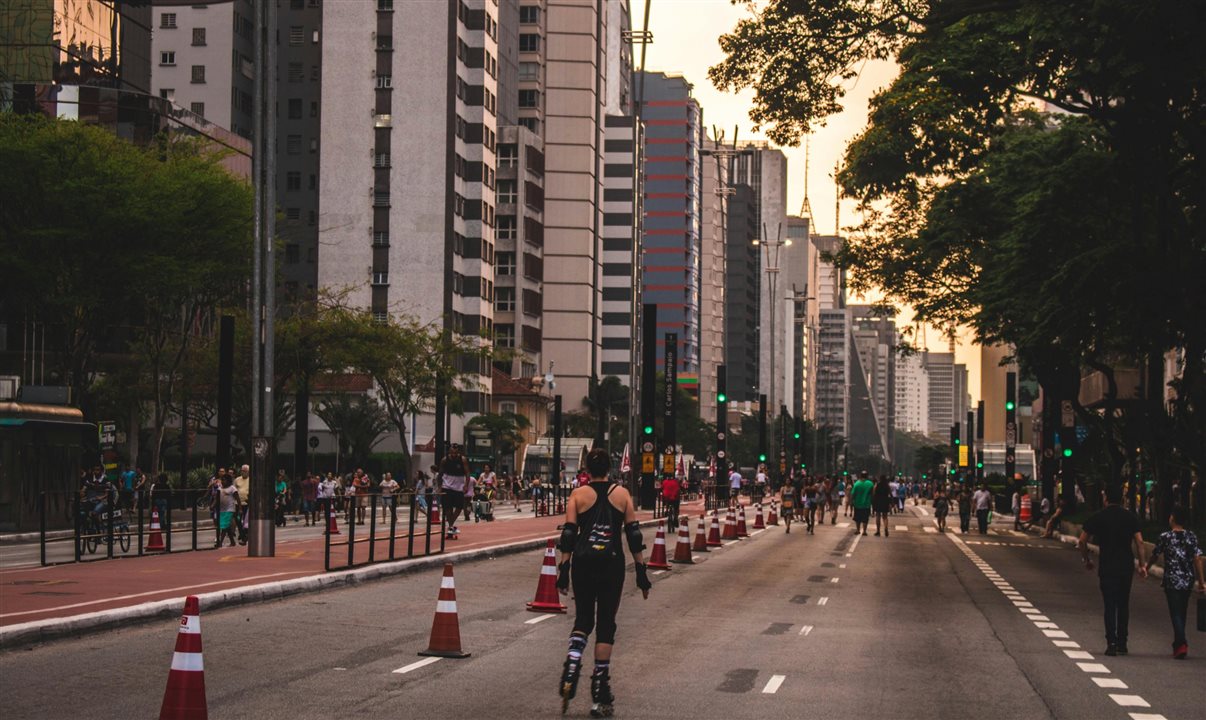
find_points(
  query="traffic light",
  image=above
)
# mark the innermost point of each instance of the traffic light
(648, 429)
(955, 435)
(979, 466)
(796, 435)
(721, 397)
(924, 476)
(1067, 452)
(1009, 405)
(761, 457)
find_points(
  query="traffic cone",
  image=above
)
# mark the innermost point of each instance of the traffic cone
(701, 537)
(332, 526)
(435, 511)
(1024, 512)
(682, 550)
(546, 590)
(773, 519)
(730, 526)
(742, 532)
(156, 541)
(714, 532)
(759, 523)
(657, 559)
(445, 628)
(184, 697)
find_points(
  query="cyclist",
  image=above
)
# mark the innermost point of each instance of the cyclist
(95, 492)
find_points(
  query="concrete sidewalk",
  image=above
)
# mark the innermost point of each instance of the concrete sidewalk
(39, 604)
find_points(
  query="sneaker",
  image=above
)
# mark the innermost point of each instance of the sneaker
(1181, 651)
(1111, 651)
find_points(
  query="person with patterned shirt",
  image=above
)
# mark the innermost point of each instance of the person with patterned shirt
(1182, 557)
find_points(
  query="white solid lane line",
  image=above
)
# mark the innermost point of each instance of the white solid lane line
(538, 619)
(416, 665)
(772, 685)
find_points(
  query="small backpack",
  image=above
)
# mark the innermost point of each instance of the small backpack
(601, 539)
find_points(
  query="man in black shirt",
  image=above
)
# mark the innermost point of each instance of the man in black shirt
(1115, 529)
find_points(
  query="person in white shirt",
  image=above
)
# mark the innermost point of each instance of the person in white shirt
(734, 485)
(389, 487)
(982, 503)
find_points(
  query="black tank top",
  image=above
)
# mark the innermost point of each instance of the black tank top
(600, 526)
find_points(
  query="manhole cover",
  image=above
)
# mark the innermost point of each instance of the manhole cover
(777, 629)
(817, 578)
(800, 599)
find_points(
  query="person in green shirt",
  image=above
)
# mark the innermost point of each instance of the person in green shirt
(860, 500)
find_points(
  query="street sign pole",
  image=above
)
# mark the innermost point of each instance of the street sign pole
(1011, 424)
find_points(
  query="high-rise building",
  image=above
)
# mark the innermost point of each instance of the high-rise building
(623, 200)
(833, 371)
(912, 394)
(831, 280)
(873, 381)
(764, 168)
(940, 371)
(409, 209)
(714, 196)
(519, 249)
(203, 59)
(48, 44)
(960, 393)
(742, 281)
(673, 182)
(799, 279)
(581, 48)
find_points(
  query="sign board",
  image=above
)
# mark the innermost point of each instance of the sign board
(259, 446)
(720, 454)
(668, 464)
(671, 372)
(647, 462)
(963, 453)
(313, 442)
(647, 447)
(720, 436)
(1010, 458)
(1011, 434)
(107, 434)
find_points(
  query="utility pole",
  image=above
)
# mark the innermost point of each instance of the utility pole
(1011, 424)
(773, 249)
(669, 414)
(646, 496)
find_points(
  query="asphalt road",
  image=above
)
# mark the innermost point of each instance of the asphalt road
(917, 625)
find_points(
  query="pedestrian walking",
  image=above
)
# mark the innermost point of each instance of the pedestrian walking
(671, 492)
(364, 487)
(389, 493)
(227, 506)
(941, 507)
(1053, 522)
(454, 471)
(1015, 505)
(860, 501)
(592, 559)
(982, 501)
(881, 503)
(309, 496)
(243, 484)
(1116, 531)
(965, 509)
(1182, 562)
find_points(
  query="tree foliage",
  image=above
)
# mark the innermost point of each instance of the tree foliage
(358, 421)
(505, 430)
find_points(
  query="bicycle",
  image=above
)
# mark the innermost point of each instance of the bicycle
(96, 528)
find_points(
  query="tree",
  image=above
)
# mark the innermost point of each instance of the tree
(506, 432)
(1076, 237)
(358, 421)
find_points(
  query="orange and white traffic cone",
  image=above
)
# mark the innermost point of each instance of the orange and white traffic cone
(742, 531)
(184, 697)
(434, 513)
(332, 525)
(774, 516)
(546, 590)
(714, 532)
(1024, 512)
(730, 526)
(759, 523)
(657, 559)
(155, 543)
(445, 628)
(701, 537)
(682, 550)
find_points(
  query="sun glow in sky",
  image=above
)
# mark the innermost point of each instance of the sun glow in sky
(686, 42)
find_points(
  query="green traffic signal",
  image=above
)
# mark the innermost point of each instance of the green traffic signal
(957, 441)
(979, 466)
(924, 476)
(1067, 452)
(1009, 405)
(952, 471)
(762, 457)
(721, 397)
(796, 436)
(648, 429)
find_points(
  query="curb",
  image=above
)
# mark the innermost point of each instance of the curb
(43, 631)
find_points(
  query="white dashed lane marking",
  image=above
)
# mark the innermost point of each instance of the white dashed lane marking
(416, 665)
(806, 630)
(823, 601)
(538, 619)
(772, 685)
(1099, 673)
(929, 529)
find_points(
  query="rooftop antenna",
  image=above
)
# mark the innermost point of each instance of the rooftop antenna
(806, 207)
(837, 202)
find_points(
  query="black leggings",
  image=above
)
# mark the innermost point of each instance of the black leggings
(597, 587)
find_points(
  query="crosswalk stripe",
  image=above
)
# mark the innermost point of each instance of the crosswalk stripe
(772, 685)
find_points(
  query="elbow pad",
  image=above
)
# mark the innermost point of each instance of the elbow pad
(636, 543)
(569, 537)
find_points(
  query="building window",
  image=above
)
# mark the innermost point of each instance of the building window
(529, 14)
(504, 336)
(529, 98)
(529, 71)
(507, 192)
(385, 5)
(293, 144)
(198, 36)
(292, 254)
(529, 42)
(297, 72)
(168, 57)
(504, 263)
(168, 94)
(168, 21)
(381, 198)
(292, 213)
(532, 124)
(198, 73)
(381, 239)
(507, 226)
(295, 108)
(508, 155)
(504, 299)
(380, 278)
(292, 181)
(384, 82)
(198, 108)
(297, 35)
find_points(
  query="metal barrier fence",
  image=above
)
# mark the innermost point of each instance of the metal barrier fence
(550, 500)
(123, 528)
(418, 535)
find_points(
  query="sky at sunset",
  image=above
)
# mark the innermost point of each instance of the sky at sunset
(685, 42)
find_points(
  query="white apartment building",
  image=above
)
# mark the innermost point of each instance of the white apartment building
(912, 394)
